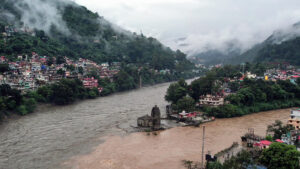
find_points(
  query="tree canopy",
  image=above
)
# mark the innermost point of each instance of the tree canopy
(280, 156)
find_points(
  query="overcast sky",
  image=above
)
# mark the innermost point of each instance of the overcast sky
(205, 24)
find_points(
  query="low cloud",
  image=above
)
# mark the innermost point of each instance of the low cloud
(203, 25)
(42, 14)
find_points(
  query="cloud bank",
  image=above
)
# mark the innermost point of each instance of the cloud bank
(199, 25)
(41, 14)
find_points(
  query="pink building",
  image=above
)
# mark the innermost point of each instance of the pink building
(263, 144)
(2, 59)
(90, 82)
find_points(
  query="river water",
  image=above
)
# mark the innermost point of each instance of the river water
(97, 134)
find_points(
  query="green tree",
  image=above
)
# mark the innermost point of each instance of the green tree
(280, 156)
(175, 92)
(241, 161)
(248, 97)
(66, 91)
(214, 165)
(234, 86)
(278, 129)
(186, 103)
(124, 81)
(92, 94)
(298, 81)
(60, 60)
(50, 61)
(61, 72)
(108, 86)
(203, 85)
(22, 110)
(30, 104)
(4, 68)
(80, 70)
(46, 93)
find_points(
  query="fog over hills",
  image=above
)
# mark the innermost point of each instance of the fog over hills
(64, 28)
(202, 32)
(195, 26)
(259, 52)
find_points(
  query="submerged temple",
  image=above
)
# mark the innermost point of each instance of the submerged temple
(152, 121)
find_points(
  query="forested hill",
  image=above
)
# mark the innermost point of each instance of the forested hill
(63, 28)
(288, 51)
(281, 46)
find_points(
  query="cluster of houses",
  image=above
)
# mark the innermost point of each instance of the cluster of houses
(274, 75)
(277, 74)
(10, 30)
(28, 73)
(291, 138)
(291, 73)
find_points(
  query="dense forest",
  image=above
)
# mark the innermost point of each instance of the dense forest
(60, 93)
(288, 51)
(87, 35)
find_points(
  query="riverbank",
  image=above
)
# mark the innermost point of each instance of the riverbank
(47, 98)
(168, 148)
(46, 138)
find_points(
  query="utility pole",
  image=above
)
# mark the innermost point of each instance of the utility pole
(203, 140)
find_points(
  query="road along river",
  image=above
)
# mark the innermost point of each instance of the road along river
(97, 134)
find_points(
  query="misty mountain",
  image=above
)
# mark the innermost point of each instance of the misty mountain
(63, 28)
(281, 46)
(213, 56)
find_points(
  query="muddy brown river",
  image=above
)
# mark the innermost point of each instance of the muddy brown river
(97, 134)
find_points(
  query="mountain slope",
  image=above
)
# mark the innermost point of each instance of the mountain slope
(63, 28)
(281, 46)
(212, 55)
(287, 51)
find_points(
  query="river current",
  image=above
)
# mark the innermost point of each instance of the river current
(98, 134)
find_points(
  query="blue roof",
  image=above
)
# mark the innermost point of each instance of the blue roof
(43, 67)
(256, 167)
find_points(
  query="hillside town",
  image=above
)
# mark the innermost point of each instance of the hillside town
(29, 73)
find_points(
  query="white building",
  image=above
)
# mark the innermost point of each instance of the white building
(249, 75)
(210, 100)
(36, 66)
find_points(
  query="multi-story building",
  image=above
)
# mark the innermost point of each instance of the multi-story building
(210, 100)
(294, 119)
(90, 82)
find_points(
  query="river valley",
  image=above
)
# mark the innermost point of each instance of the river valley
(97, 134)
